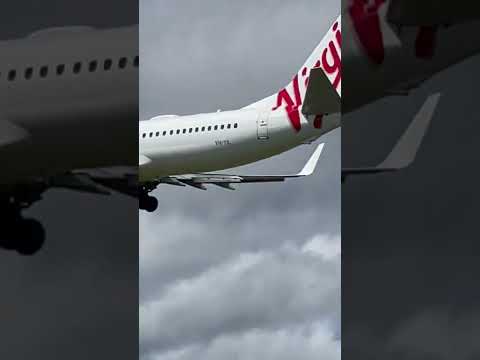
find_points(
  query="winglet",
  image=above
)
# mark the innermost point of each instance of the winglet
(311, 164)
(405, 151)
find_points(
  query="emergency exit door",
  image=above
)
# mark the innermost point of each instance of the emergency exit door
(262, 125)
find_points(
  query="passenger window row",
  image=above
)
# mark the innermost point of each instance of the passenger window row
(190, 130)
(76, 68)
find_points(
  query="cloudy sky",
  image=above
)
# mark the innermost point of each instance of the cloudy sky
(410, 244)
(77, 298)
(251, 274)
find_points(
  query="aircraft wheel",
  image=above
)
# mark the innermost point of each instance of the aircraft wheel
(30, 237)
(149, 203)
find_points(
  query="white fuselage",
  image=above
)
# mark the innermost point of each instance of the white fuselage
(210, 142)
(75, 93)
(222, 140)
(173, 146)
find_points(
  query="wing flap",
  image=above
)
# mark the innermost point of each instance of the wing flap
(226, 181)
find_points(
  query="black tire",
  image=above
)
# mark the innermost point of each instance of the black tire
(149, 203)
(30, 237)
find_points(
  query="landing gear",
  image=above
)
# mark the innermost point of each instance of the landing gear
(26, 236)
(148, 203)
(145, 201)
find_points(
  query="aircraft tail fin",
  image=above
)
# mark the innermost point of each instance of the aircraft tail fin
(327, 56)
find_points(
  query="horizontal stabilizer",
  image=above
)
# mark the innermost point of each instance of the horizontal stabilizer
(143, 160)
(321, 97)
(432, 12)
(10, 133)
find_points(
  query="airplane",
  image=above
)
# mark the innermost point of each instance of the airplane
(53, 95)
(184, 150)
(69, 102)
(179, 150)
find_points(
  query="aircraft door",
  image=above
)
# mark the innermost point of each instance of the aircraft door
(262, 125)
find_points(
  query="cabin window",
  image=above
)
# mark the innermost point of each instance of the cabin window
(77, 67)
(222, 127)
(107, 65)
(60, 69)
(164, 133)
(203, 128)
(151, 134)
(178, 131)
(229, 126)
(157, 134)
(209, 128)
(235, 125)
(171, 132)
(12, 74)
(92, 66)
(144, 135)
(28, 73)
(43, 71)
(122, 63)
(196, 129)
(135, 61)
(190, 130)
(216, 127)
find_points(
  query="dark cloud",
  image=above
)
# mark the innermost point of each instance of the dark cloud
(409, 240)
(78, 298)
(224, 273)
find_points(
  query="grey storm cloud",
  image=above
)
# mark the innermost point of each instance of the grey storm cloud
(223, 273)
(77, 298)
(410, 241)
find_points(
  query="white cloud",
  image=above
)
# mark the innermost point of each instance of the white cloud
(263, 290)
(326, 246)
(304, 342)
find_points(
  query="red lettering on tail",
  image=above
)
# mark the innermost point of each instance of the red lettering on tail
(366, 21)
(330, 61)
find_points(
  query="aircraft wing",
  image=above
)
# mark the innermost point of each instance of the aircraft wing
(227, 181)
(10, 133)
(432, 12)
(405, 151)
(99, 181)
